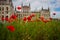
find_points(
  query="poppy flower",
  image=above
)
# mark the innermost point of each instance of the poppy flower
(13, 16)
(18, 7)
(2, 18)
(42, 17)
(45, 21)
(11, 28)
(54, 13)
(32, 15)
(24, 19)
(29, 18)
(6, 18)
(10, 20)
(50, 18)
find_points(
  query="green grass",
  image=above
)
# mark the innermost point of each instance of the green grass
(31, 31)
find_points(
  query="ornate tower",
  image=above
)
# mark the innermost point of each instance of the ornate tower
(45, 13)
(29, 4)
(25, 8)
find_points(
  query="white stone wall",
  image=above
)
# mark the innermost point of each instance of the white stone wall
(10, 10)
(46, 14)
(21, 15)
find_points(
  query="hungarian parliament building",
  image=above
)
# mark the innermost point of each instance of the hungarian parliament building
(7, 8)
(25, 11)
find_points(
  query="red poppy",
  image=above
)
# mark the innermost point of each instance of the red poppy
(6, 18)
(54, 13)
(45, 21)
(18, 7)
(24, 19)
(32, 15)
(13, 16)
(10, 20)
(11, 28)
(29, 18)
(2, 18)
(50, 18)
(42, 17)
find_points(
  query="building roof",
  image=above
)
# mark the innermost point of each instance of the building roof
(45, 9)
(25, 6)
(2, 0)
(5, 2)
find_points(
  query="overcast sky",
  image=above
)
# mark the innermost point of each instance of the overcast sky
(54, 5)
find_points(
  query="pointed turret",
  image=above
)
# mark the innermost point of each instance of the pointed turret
(15, 9)
(22, 4)
(42, 8)
(29, 4)
(48, 9)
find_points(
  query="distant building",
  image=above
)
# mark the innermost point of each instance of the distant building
(25, 8)
(6, 8)
(25, 11)
(45, 13)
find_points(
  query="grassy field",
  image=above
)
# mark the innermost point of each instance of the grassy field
(31, 31)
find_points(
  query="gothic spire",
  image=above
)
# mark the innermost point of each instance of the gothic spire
(15, 8)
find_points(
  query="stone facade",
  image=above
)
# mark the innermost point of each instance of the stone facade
(6, 8)
(25, 11)
(25, 8)
(45, 13)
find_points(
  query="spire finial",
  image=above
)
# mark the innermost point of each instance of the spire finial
(48, 8)
(42, 7)
(29, 4)
(15, 8)
(22, 4)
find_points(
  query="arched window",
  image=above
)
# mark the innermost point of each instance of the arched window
(6, 16)
(2, 12)
(7, 8)
(2, 0)
(2, 16)
(0, 8)
(6, 12)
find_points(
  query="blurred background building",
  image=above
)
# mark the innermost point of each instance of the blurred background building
(25, 11)
(6, 8)
(45, 13)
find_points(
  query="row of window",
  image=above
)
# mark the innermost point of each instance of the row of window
(6, 0)
(4, 3)
(21, 15)
(3, 16)
(2, 0)
(3, 12)
(2, 8)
